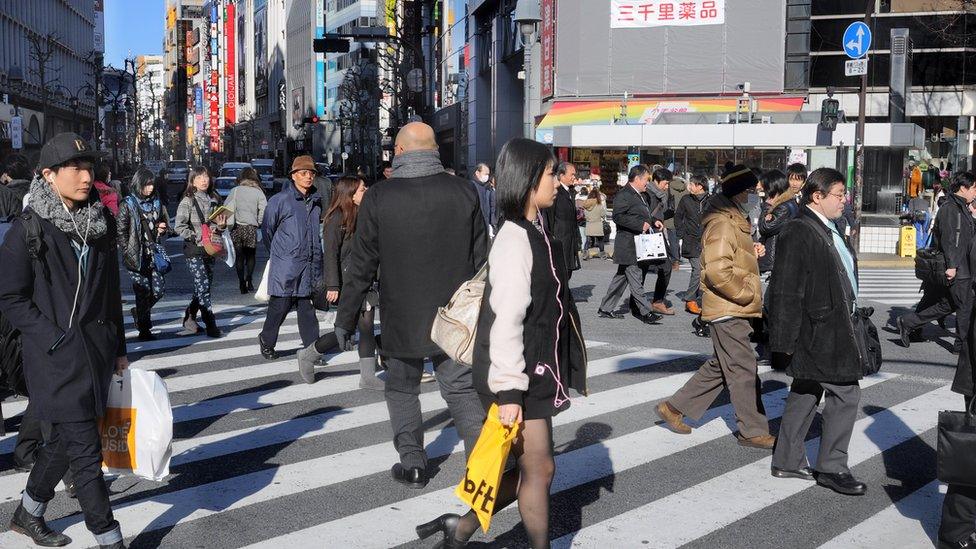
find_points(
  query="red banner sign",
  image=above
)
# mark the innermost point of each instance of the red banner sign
(213, 98)
(230, 65)
(548, 47)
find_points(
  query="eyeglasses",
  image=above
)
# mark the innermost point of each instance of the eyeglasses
(841, 196)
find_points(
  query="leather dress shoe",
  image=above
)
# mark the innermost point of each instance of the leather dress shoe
(267, 352)
(661, 307)
(763, 442)
(803, 473)
(672, 418)
(903, 335)
(842, 483)
(606, 314)
(414, 477)
(35, 528)
(650, 318)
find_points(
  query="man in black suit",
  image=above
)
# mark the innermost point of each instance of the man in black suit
(632, 216)
(560, 218)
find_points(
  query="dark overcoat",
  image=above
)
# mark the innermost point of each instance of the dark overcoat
(69, 381)
(291, 233)
(810, 304)
(560, 220)
(630, 212)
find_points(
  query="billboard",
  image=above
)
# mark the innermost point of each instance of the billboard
(198, 107)
(99, 37)
(320, 60)
(710, 53)
(230, 64)
(241, 56)
(260, 48)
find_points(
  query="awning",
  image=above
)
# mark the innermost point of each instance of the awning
(640, 111)
(904, 135)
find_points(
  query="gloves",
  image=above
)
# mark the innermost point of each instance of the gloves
(343, 338)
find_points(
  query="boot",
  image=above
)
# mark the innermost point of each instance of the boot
(367, 375)
(249, 284)
(210, 322)
(243, 287)
(190, 326)
(35, 528)
(144, 325)
(307, 358)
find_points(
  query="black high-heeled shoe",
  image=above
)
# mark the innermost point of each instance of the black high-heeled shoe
(447, 524)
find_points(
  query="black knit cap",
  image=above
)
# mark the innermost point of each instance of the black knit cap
(63, 148)
(738, 179)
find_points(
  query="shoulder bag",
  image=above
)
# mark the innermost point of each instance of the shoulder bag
(456, 324)
(957, 446)
(212, 245)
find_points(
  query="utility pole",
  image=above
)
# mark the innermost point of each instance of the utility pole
(859, 150)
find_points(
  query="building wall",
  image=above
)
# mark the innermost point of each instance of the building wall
(73, 24)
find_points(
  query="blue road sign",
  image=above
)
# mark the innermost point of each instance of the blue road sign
(857, 40)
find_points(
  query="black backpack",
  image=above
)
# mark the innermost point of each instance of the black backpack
(11, 358)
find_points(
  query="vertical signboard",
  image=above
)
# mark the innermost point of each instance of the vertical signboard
(230, 64)
(198, 103)
(260, 48)
(99, 36)
(548, 46)
(241, 54)
(320, 60)
(213, 80)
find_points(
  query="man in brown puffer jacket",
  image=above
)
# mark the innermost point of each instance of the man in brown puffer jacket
(732, 295)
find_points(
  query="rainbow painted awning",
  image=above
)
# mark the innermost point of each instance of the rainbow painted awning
(594, 113)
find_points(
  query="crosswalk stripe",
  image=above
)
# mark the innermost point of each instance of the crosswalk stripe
(206, 447)
(234, 335)
(905, 524)
(256, 400)
(687, 515)
(573, 468)
(158, 316)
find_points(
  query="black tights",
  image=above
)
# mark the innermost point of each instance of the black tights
(529, 483)
(367, 337)
(245, 264)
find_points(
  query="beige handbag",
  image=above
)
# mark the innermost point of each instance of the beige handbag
(456, 324)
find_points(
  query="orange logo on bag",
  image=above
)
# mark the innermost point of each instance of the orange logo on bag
(118, 429)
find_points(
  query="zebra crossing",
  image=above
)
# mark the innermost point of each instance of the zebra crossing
(894, 287)
(263, 460)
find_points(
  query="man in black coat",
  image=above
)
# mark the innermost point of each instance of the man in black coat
(688, 225)
(71, 345)
(15, 179)
(423, 232)
(813, 294)
(632, 216)
(952, 234)
(560, 218)
(661, 204)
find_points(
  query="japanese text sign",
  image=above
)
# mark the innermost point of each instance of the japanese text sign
(632, 14)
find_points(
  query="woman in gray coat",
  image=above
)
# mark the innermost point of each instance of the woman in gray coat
(247, 203)
(198, 202)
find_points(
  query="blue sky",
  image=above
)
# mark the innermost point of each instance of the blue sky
(133, 27)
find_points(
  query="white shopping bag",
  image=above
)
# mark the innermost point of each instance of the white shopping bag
(650, 247)
(262, 292)
(230, 256)
(137, 429)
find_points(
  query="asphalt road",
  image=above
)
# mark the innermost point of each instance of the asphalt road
(261, 459)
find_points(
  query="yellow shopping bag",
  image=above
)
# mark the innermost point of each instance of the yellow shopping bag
(479, 487)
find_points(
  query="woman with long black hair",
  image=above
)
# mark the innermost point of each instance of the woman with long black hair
(338, 230)
(142, 223)
(529, 350)
(198, 202)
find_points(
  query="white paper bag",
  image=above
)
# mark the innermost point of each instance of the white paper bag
(137, 428)
(262, 292)
(650, 247)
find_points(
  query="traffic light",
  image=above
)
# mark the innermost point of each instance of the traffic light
(310, 120)
(330, 45)
(829, 114)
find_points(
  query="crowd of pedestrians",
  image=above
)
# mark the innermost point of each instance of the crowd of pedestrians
(773, 278)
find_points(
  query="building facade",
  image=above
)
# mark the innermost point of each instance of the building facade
(150, 94)
(49, 54)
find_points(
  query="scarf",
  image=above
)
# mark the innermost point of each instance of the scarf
(661, 195)
(45, 202)
(417, 164)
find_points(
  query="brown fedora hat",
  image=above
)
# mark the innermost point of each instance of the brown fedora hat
(303, 163)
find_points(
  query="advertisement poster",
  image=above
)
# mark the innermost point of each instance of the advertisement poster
(198, 107)
(297, 105)
(230, 64)
(635, 14)
(320, 60)
(260, 48)
(241, 56)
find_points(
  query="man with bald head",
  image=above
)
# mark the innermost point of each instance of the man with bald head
(422, 231)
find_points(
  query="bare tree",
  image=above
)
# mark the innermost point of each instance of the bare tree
(359, 109)
(43, 48)
(949, 27)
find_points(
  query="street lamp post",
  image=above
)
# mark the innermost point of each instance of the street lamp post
(528, 15)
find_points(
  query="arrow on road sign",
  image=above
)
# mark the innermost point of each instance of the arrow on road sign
(856, 46)
(857, 40)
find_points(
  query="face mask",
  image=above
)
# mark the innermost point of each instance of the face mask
(483, 178)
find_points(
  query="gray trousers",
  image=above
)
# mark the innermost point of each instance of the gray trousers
(838, 416)
(694, 292)
(631, 276)
(734, 366)
(403, 401)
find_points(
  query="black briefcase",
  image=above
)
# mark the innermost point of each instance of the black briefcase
(957, 447)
